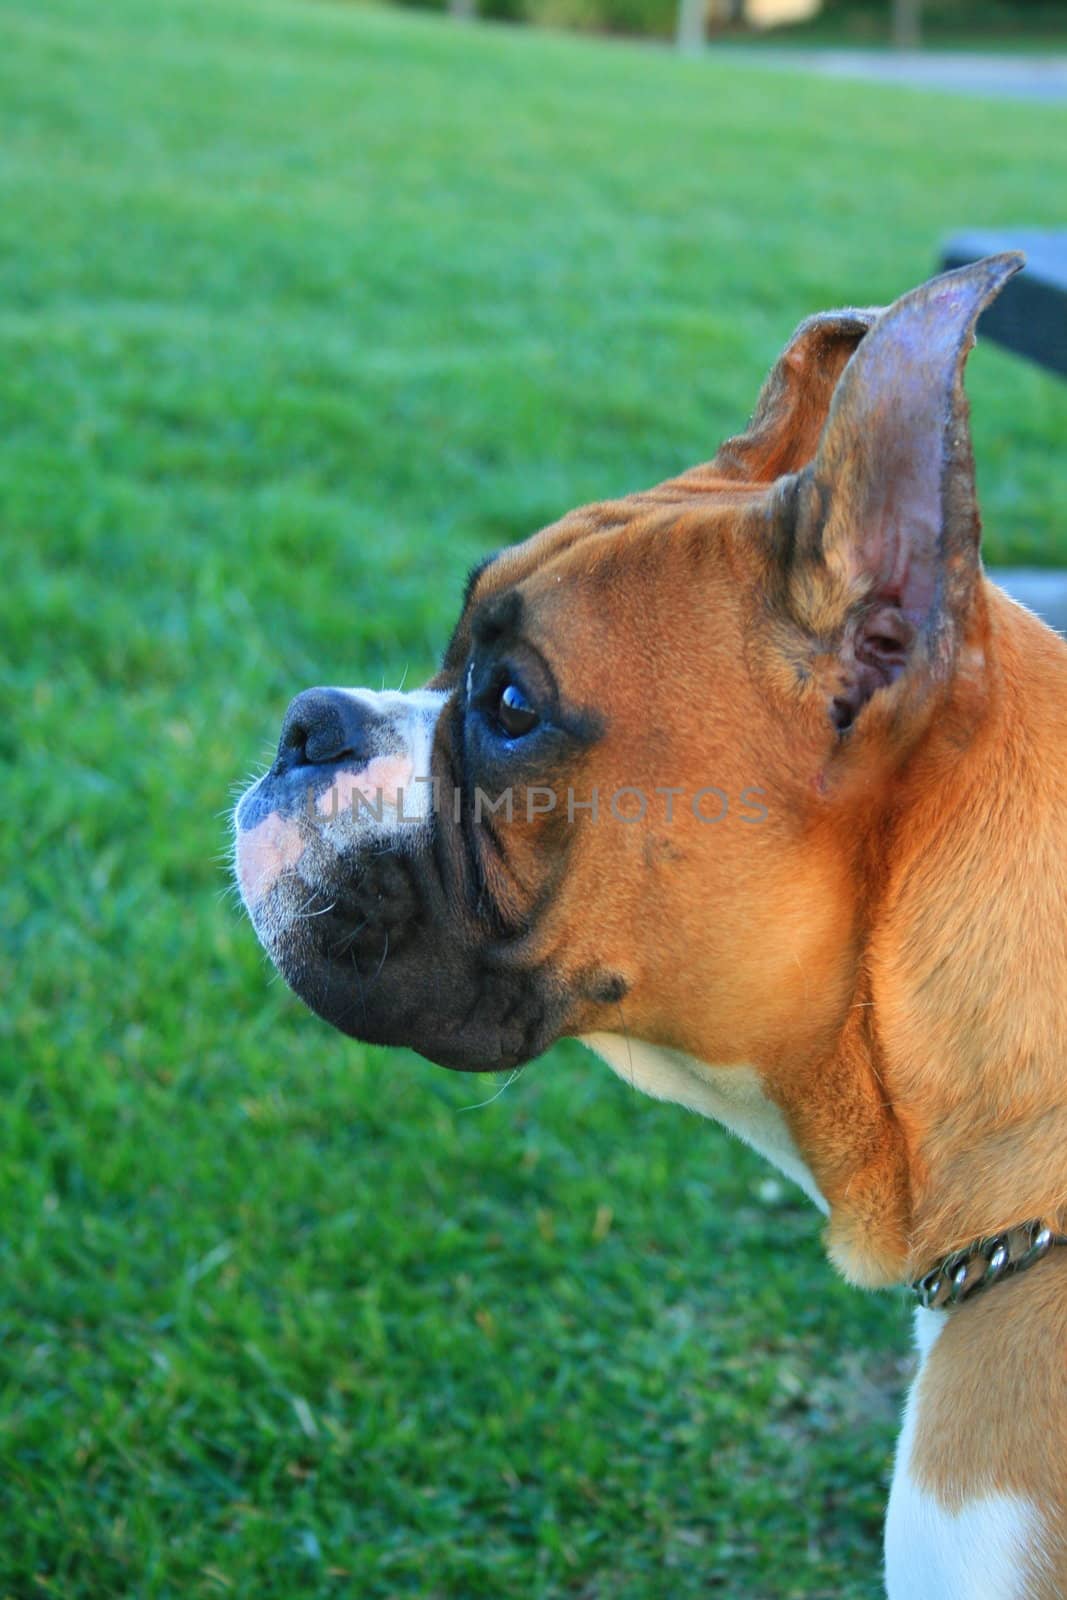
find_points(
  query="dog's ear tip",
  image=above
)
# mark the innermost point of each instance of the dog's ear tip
(953, 300)
(1005, 265)
(981, 280)
(841, 320)
(792, 406)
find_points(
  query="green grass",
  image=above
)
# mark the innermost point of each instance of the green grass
(302, 309)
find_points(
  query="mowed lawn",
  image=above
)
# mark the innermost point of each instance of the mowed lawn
(303, 308)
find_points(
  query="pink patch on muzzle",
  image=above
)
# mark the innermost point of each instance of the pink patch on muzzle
(385, 782)
(264, 852)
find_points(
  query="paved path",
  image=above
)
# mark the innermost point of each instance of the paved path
(1022, 77)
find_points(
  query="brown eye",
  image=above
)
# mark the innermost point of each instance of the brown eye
(514, 712)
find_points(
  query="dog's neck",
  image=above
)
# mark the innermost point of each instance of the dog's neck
(958, 1027)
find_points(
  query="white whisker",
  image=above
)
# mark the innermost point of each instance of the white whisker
(480, 1104)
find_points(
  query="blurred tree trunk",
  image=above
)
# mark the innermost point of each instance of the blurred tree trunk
(689, 31)
(905, 23)
(462, 10)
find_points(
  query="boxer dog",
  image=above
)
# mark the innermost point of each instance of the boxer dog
(755, 783)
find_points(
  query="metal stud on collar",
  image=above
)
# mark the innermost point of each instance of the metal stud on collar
(980, 1265)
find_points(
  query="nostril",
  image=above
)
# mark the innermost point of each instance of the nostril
(321, 726)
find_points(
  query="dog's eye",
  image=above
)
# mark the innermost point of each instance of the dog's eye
(514, 712)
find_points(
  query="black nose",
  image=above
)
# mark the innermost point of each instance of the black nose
(323, 725)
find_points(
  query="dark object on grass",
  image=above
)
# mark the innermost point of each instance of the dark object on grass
(1030, 318)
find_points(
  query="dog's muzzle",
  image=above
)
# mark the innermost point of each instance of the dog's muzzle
(365, 895)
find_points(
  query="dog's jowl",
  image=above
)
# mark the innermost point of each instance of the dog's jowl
(760, 762)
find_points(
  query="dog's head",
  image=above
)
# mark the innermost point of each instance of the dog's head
(632, 795)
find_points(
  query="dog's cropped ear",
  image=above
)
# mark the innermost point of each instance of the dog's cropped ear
(882, 553)
(795, 399)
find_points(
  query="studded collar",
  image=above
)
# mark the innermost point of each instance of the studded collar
(978, 1266)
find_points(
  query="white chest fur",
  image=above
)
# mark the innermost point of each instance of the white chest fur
(734, 1096)
(988, 1550)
